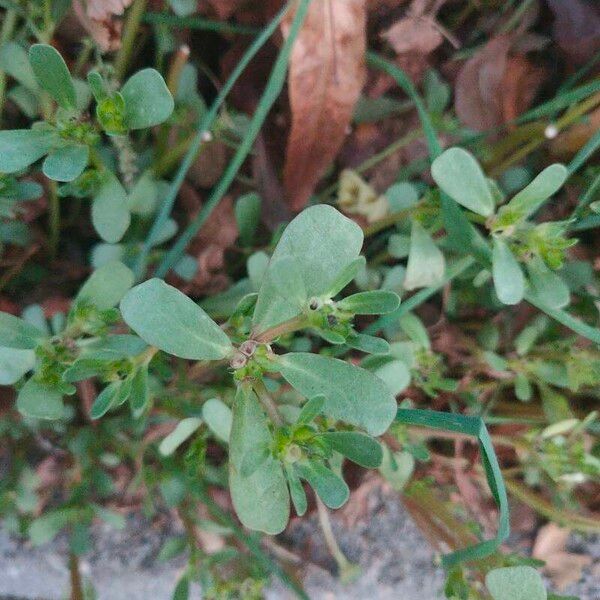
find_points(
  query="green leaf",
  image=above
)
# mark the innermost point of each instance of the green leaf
(515, 583)
(296, 490)
(397, 468)
(346, 275)
(14, 364)
(45, 528)
(138, 397)
(374, 302)
(105, 287)
(360, 448)
(331, 488)
(509, 281)
(19, 148)
(66, 163)
(164, 317)
(523, 390)
(395, 374)
(40, 401)
(546, 285)
(217, 415)
(15, 61)
(182, 589)
(53, 75)
(311, 409)
(323, 243)
(261, 500)
(180, 434)
(368, 343)
(110, 213)
(17, 333)
(105, 400)
(459, 175)
(352, 394)
(426, 264)
(247, 216)
(148, 101)
(530, 198)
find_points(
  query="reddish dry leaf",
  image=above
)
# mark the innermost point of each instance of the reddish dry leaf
(577, 28)
(97, 17)
(564, 568)
(414, 34)
(493, 87)
(520, 84)
(327, 72)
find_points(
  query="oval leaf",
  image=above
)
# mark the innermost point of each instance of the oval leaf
(17, 333)
(66, 163)
(515, 583)
(261, 500)
(19, 148)
(359, 448)
(217, 415)
(547, 183)
(14, 364)
(105, 287)
(182, 432)
(40, 401)
(426, 263)
(374, 302)
(352, 394)
(459, 175)
(53, 75)
(148, 101)
(331, 488)
(323, 243)
(509, 280)
(110, 214)
(164, 317)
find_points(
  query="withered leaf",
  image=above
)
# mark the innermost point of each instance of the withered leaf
(97, 17)
(414, 34)
(494, 86)
(327, 72)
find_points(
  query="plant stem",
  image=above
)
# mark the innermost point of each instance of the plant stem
(265, 399)
(75, 576)
(270, 95)
(132, 23)
(204, 125)
(269, 335)
(344, 565)
(53, 219)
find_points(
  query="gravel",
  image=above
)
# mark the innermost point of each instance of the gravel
(395, 561)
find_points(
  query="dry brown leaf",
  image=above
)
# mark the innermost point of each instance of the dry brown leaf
(327, 72)
(577, 28)
(97, 17)
(520, 84)
(414, 34)
(493, 87)
(564, 568)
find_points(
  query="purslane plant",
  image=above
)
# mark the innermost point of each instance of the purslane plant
(276, 440)
(68, 138)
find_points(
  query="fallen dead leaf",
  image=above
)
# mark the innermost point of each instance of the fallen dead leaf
(576, 28)
(414, 34)
(327, 72)
(493, 87)
(564, 568)
(97, 18)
